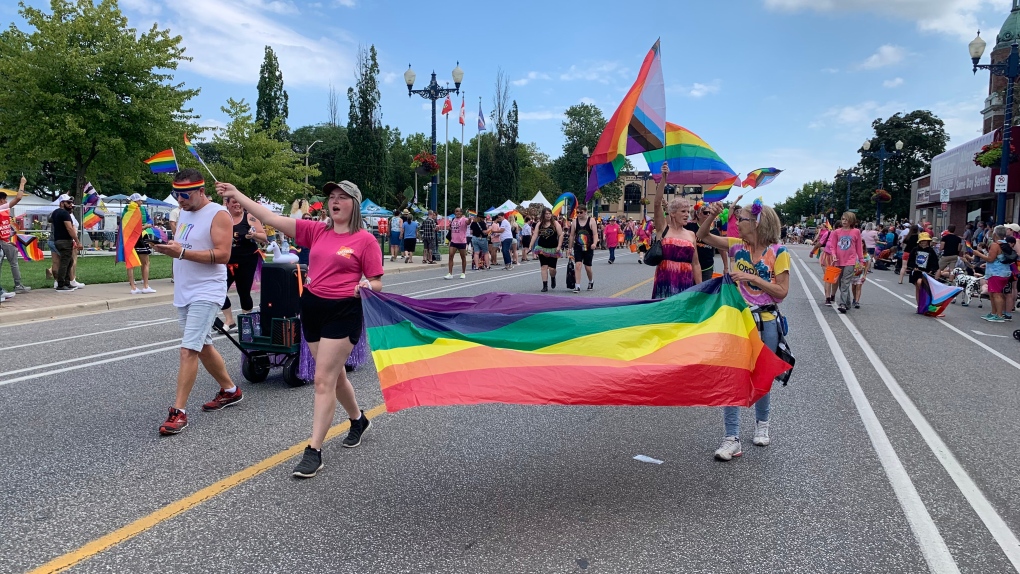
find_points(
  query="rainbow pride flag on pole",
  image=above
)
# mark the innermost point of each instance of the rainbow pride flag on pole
(128, 234)
(28, 247)
(691, 160)
(698, 348)
(761, 176)
(638, 125)
(163, 162)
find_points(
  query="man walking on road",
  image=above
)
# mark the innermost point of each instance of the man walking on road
(430, 251)
(7, 249)
(65, 238)
(201, 249)
(584, 240)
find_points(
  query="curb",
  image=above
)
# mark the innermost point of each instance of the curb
(30, 315)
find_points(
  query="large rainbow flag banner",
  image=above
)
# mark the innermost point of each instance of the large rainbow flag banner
(128, 233)
(761, 176)
(691, 160)
(698, 348)
(935, 297)
(637, 126)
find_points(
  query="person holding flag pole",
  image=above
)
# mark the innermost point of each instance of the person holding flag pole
(447, 108)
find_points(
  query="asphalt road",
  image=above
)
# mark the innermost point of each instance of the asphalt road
(895, 449)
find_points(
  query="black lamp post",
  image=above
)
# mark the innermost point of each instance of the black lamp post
(644, 204)
(586, 154)
(1010, 69)
(882, 154)
(433, 92)
(847, 174)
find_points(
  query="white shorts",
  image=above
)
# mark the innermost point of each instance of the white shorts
(196, 320)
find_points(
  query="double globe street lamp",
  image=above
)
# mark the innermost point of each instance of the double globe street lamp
(433, 92)
(882, 154)
(1009, 69)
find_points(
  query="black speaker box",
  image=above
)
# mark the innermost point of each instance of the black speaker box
(281, 295)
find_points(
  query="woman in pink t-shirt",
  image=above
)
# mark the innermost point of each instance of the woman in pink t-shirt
(458, 242)
(847, 253)
(343, 258)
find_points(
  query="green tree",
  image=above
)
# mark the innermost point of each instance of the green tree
(272, 100)
(329, 156)
(256, 162)
(536, 172)
(87, 94)
(810, 200)
(923, 135)
(367, 157)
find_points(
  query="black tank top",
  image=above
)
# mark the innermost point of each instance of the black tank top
(547, 237)
(242, 247)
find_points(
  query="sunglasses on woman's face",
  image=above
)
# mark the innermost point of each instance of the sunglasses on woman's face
(706, 212)
(743, 219)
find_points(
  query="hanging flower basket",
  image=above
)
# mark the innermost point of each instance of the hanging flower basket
(991, 154)
(881, 196)
(644, 201)
(425, 164)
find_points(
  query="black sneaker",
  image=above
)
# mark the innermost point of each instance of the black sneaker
(358, 428)
(310, 463)
(591, 285)
(857, 305)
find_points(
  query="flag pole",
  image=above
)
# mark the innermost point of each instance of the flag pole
(478, 157)
(446, 176)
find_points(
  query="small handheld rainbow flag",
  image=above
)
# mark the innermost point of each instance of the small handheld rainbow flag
(28, 247)
(128, 234)
(163, 162)
(155, 233)
(91, 219)
(194, 151)
(761, 176)
(719, 191)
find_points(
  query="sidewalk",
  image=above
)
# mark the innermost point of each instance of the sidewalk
(43, 304)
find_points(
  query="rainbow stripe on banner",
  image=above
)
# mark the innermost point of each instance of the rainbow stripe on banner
(128, 234)
(28, 247)
(761, 176)
(935, 297)
(163, 162)
(691, 160)
(719, 191)
(698, 348)
(90, 218)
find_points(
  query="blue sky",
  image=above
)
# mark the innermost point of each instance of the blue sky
(792, 84)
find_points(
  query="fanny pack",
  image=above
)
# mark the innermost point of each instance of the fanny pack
(783, 350)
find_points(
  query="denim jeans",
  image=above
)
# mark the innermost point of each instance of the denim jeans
(505, 244)
(731, 415)
(612, 254)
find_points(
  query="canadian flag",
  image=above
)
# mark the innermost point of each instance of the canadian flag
(462, 111)
(447, 106)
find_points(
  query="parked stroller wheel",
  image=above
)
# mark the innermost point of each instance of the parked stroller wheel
(255, 368)
(290, 372)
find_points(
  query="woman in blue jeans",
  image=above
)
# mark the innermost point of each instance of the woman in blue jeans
(760, 266)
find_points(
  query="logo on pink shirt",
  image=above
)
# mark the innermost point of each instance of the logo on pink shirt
(345, 252)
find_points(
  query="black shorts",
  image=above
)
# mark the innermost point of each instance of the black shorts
(525, 241)
(583, 256)
(330, 318)
(410, 244)
(547, 261)
(460, 246)
(916, 276)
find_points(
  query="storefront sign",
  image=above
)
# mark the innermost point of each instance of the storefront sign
(956, 172)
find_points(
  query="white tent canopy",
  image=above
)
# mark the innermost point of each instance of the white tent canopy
(170, 199)
(507, 206)
(539, 199)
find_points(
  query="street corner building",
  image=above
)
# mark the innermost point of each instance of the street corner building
(698, 348)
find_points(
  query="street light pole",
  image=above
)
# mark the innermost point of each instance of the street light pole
(882, 154)
(850, 177)
(1010, 69)
(308, 151)
(433, 92)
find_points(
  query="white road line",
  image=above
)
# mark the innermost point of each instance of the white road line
(77, 359)
(95, 363)
(930, 541)
(445, 288)
(912, 304)
(143, 324)
(1002, 534)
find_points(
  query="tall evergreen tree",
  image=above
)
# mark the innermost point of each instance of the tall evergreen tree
(272, 100)
(367, 158)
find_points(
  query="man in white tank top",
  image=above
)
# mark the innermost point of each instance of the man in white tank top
(201, 249)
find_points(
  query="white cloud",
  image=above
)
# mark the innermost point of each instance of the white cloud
(602, 72)
(860, 115)
(542, 115)
(529, 78)
(962, 118)
(954, 17)
(345, 3)
(887, 55)
(587, 100)
(227, 39)
(697, 89)
(390, 77)
(141, 6)
(893, 83)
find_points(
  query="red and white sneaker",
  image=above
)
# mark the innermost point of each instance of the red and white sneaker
(223, 399)
(175, 423)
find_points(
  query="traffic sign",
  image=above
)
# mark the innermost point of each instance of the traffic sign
(945, 206)
(1000, 183)
(944, 195)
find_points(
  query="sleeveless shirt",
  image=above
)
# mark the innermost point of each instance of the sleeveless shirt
(198, 281)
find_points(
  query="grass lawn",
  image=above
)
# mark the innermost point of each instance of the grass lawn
(91, 269)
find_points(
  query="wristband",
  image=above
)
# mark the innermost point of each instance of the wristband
(181, 256)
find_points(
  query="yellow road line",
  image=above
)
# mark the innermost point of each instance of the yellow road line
(631, 288)
(144, 523)
(169, 511)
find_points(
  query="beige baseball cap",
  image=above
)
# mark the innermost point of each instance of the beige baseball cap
(348, 188)
(1013, 227)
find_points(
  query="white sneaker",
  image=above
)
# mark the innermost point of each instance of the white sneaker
(6, 295)
(463, 275)
(136, 291)
(148, 290)
(448, 276)
(54, 284)
(729, 449)
(761, 433)
(76, 284)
